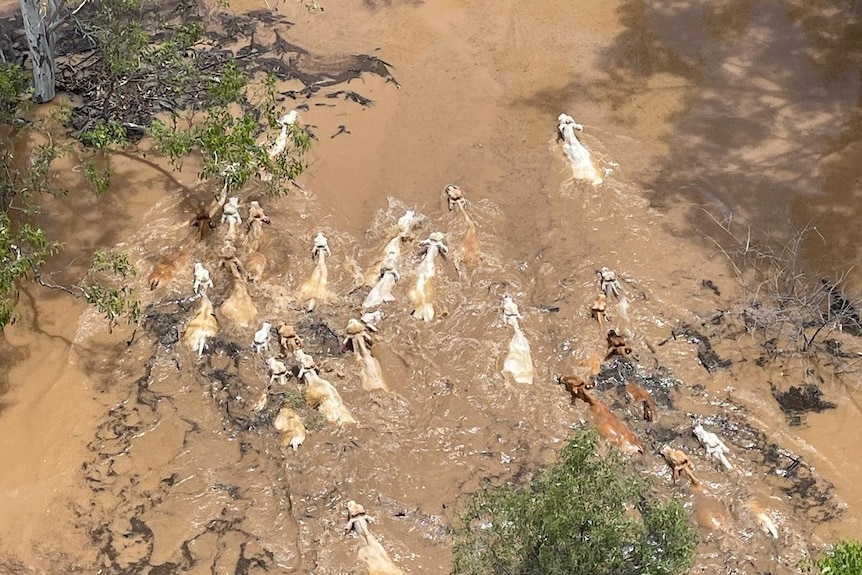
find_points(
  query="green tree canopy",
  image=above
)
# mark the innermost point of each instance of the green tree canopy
(587, 514)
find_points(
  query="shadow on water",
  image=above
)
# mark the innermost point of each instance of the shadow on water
(7, 362)
(640, 52)
(768, 133)
(637, 54)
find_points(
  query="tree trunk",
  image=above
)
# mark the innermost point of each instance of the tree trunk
(41, 37)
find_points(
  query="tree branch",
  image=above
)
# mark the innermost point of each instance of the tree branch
(78, 9)
(74, 291)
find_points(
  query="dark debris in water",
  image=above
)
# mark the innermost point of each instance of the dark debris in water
(235, 402)
(808, 493)
(319, 339)
(163, 319)
(842, 309)
(119, 530)
(618, 371)
(799, 400)
(710, 285)
(707, 356)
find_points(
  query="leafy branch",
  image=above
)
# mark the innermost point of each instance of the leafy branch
(228, 139)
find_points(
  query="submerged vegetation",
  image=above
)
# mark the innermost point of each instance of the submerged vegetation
(586, 514)
(805, 322)
(793, 310)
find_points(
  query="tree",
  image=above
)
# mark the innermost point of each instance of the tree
(42, 18)
(228, 142)
(586, 514)
(23, 247)
(163, 72)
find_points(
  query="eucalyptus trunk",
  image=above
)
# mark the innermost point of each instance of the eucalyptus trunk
(41, 20)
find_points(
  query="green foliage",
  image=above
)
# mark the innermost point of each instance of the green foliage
(104, 135)
(36, 179)
(61, 112)
(120, 36)
(106, 291)
(21, 180)
(586, 514)
(229, 86)
(100, 179)
(187, 35)
(114, 262)
(845, 558)
(114, 303)
(23, 249)
(294, 399)
(14, 82)
(227, 137)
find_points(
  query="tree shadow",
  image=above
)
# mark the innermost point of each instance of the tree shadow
(772, 87)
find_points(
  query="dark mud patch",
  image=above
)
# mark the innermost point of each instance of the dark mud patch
(798, 400)
(162, 319)
(710, 285)
(842, 310)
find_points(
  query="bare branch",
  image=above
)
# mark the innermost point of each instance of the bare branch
(73, 290)
(78, 9)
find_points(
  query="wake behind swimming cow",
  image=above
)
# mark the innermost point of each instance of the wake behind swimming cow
(422, 293)
(372, 553)
(315, 290)
(358, 341)
(388, 275)
(578, 155)
(202, 326)
(320, 393)
(467, 252)
(519, 361)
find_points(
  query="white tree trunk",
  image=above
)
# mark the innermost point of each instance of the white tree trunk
(39, 25)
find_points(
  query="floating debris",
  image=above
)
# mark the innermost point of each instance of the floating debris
(799, 400)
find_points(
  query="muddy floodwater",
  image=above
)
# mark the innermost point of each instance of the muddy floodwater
(125, 452)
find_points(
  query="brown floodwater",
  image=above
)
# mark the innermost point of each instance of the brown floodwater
(126, 453)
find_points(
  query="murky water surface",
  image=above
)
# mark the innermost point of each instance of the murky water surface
(133, 455)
